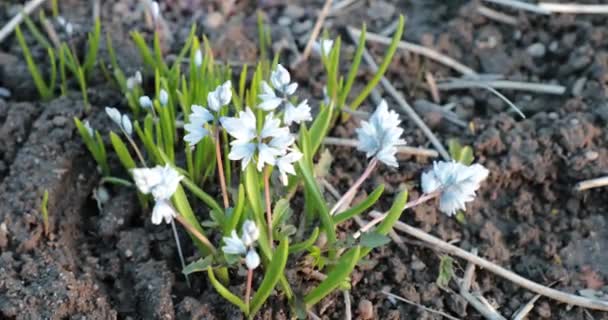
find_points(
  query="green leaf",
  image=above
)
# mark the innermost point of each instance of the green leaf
(466, 156)
(319, 129)
(237, 213)
(336, 277)
(311, 184)
(323, 165)
(306, 244)
(95, 148)
(273, 273)
(44, 210)
(180, 201)
(122, 152)
(352, 73)
(36, 32)
(360, 207)
(391, 218)
(373, 240)
(224, 292)
(93, 48)
(45, 92)
(199, 193)
(383, 67)
(446, 271)
(280, 212)
(199, 265)
(144, 51)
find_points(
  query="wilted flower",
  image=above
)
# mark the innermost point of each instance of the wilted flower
(381, 135)
(281, 81)
(122, 121)
(161, 182)
(196, 128)
(271, 142)
(221, 96)
(456, 183)
(145, 102)
(323, 47)
(163, 97)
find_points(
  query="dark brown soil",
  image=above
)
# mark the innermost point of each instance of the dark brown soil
(113, 263)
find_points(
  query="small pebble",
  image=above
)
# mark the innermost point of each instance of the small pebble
(4, 92)
(366, 309)
(579, 85)
(294, 12)
(301, 27)
(553, 46)
(537, 50)
(284, 21)
(591, 155)
(59, 121)
(214, 20)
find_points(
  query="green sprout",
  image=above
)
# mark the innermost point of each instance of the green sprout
(45, 212)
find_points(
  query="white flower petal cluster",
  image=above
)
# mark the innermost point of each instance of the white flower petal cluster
(161, 182)
(90, 129)
(271, 144)
(323, 47)
(221, 96)
(281, 81)
(381, 135)
(195, 129)
(456, 182)
(198, 58)
(244, 244)
(122, 120)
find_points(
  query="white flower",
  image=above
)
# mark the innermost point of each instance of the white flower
(90, 130)
(285, 166)
(297, 114)
(456, 182)
(323, 47)
(381, 135)
(122, 121)
(155, 10)
(69, 28)
(163, 97)
(234, 244)
(270, 101)
(281, 81)
(196, 128)
(160, 181)
(220, 97)
(198, 58)
(134, 80)
(251, 233)
(126, 124)
(271, 142)
(252, 260)
(145, 102)
(138, 78)
(163, 210)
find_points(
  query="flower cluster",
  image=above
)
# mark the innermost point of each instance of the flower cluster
(281, 82)
(162, 183)
(200, 116)
(271, 145)
(456, 183)
(381, 135)
(244, 245)
(122, 120)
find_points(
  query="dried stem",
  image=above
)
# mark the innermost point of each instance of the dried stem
(249, 285)
(457, 84)
(411, 204)
(592, 183)
(347, 197)
(135, 148)
(402, 299)
(195, 233)
(574, 8)
(16, 20)
(220, 168)
(516, 4)
(268, 203)
(315, 31)
(441, 245)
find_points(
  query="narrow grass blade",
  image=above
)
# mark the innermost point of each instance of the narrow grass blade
(272, 275)
(360, 207)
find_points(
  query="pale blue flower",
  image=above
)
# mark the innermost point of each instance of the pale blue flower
(252, 260)
(145, 102)
(381, 135)
(163, 97)
(161, 182)
(234, 244)
(120, 120)
(195, 129)
(455, 181)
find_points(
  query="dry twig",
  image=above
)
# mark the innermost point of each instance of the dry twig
(348, 315)
(441, 245)
(402, 299)
(16, 20)
(315, 32)
(457, 84)
(520, 5)
(404, 106)
(574, 8)
(592, 183)
(496, 15)
(525, 309)
(401, 149)
(418, 49)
